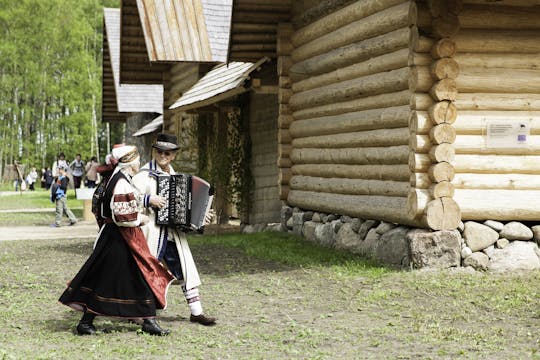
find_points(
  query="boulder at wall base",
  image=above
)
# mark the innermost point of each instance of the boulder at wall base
(346, 238)
(438, 249)
(308, 231)
(478, 236)
(393, 246)
(518, 255)
(324, 235)
(516, 231)
(477, 260)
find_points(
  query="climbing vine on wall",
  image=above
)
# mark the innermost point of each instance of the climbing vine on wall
(225, 154)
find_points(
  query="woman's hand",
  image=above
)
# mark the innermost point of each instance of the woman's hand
(157, 201)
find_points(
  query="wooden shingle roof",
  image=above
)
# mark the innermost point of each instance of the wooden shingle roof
(220, 83)
(123, 98)
(165, 31)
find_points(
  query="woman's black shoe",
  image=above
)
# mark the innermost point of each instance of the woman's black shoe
(86, 326)
(151, 327)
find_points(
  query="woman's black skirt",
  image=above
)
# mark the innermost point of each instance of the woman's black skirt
(110, 283)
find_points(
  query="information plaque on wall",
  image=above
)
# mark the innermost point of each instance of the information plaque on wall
(501, 133)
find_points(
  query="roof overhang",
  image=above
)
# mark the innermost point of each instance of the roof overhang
(220, 83)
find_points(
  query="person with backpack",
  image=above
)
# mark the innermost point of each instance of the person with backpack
(58, 196)
(77, 170)
(121, 278)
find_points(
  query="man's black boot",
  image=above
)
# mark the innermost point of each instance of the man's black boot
(86, 326)
(151, 327)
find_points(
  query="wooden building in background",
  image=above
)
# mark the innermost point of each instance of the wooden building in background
(422, 113)
(133, 104)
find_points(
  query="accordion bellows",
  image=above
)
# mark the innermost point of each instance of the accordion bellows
(188, 200)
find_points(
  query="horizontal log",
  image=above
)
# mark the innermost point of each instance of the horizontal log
(391, 61)
(385, 82)
(445, 89)
(421, 101)
(420, 180)
(285, 82)
(285, 121)
(284, 109)
(442, 171)
(386, 208)
(443, 112)
(419, 162)
(425, 80)
(284, 176)
(420, 144)
(489, 17)
(446, 68)
(507, 61)
(497, 181)
(423, 44)
(354, 53)
(497, 101)
(284, 64)
(445, 26)
(443, 48)
(470, 122)
(284, 136)
(372, 102)
(284, 95)
(374, 172)
(502, 205)
(498, 41)
(354, 156)
(498, 80)
(476, 144)
(417, 200)
(419, 59)
(368, 138)
(442, 133)
(350, 186)
(439, 8)
(497, 164)
(335, 20)
(442, 153)
(388, 118)
(284, 162)
(315, 11)
(284, 150)
(283, 192)
(385, 21)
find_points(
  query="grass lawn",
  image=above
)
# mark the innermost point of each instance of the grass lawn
(276, 297)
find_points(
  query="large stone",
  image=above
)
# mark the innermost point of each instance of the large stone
(369, 245)
(518, 255)
(478, 236)
(536, 233)
(366, 226)
(393, 246)
(478, 261)
(297, 223)
(502, 243)
(516, 231)
(308, 231)
(439, 249)
(356, 223)
(286, 213)
(316, 217)
(275, 227)
(346, 238)
(336, 225)
(495, 225)
(385, 227)
(324, 235)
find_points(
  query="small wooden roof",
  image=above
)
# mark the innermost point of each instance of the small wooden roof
(123, 98)
(163, 31)
(254, 28)
(220, 83)
(152, 126)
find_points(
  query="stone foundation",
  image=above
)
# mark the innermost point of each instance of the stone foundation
(491, 246)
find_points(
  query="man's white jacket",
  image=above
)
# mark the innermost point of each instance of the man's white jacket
(158, 235)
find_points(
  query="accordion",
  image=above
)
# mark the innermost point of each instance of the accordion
(188, 200)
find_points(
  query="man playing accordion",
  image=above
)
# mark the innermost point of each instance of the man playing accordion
(168, 243)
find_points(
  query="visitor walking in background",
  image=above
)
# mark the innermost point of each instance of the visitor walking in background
(60, 161)
(31, 178)
(48, 178)
(58, 196)
(91, 172)
(77, 170)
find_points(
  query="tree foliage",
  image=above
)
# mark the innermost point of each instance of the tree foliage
(50, 79)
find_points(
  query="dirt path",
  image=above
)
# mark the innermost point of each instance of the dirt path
(81, 230)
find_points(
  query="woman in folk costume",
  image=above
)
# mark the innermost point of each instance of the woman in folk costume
(120, 278)
(168, 243)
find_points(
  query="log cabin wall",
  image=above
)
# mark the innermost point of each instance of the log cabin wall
(432, 132)
(265, 206)
(178, 79)
(498, 49)
(352, 87)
